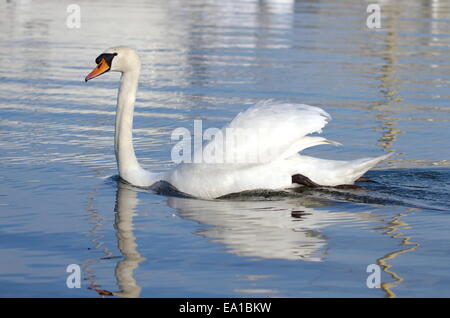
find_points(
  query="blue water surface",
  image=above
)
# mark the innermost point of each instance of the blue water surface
(61, 202)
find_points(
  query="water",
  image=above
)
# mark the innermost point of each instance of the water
(61, 202)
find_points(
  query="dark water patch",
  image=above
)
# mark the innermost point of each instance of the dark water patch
(161, 188)
(412, 188)
(258, 195)
(428, 187)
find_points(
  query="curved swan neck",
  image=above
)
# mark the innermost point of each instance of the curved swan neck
(129, 168)
(123, 141)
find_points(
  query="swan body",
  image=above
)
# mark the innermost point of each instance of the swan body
(278, 132)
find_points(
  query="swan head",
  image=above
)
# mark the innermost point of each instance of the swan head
(116, 59)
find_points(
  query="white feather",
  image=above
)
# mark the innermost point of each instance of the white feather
(268, 131)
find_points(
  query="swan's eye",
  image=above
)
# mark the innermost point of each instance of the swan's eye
(108, 57)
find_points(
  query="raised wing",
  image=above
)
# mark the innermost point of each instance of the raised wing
(266, 131)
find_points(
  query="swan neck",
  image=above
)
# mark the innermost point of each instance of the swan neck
(123, 141)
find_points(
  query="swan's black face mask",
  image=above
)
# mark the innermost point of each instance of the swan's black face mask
(104, 62)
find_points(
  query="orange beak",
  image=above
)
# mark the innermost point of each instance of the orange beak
(101, 68)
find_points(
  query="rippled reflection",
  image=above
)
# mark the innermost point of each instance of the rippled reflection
(288, 228)
(266, 226)
(393, 230)
(126, 202)
(389, 82)
(125, 210)
(285, 229)
(404, 78)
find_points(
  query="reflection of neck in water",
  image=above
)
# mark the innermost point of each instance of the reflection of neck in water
(284, 229)
(126, 202)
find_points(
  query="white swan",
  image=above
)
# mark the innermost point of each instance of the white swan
(281, 131)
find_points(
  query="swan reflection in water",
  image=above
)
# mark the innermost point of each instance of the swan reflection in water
(283, 227)
(126, 203)
(287, 228)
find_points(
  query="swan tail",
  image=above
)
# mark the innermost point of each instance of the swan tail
(331, 173)
(361, 166)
